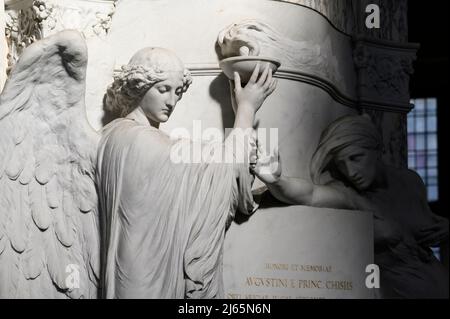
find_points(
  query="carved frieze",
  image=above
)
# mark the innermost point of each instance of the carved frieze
(384, 70)
(92, 18)
(31, 20)
(26, 24)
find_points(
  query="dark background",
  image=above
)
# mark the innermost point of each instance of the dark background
(429, 26)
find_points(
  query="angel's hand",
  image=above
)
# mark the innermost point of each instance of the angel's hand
(254, 93)
(268, 166)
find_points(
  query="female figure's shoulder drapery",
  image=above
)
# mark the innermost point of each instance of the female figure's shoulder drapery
(163, 222)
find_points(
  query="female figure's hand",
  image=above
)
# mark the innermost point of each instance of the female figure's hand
(252, 95)
(268, 166)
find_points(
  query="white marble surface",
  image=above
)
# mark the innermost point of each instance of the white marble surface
(191, 31)
(269, 251)
(299, 110)
(3, 46)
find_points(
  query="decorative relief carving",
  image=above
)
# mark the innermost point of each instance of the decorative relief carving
(28, 21)
(44, 13)
(25, 26)
(384, 72)
(254, 38)
(104, 21)
(89, 17)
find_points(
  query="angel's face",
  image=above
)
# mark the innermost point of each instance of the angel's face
(160, 100)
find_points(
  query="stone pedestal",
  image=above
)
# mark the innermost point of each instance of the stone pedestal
(299, 252)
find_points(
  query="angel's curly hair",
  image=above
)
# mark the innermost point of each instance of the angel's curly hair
(131, 84)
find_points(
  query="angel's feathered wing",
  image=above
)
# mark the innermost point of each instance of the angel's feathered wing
(49, 233)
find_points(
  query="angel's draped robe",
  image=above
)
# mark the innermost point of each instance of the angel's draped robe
(163, 223)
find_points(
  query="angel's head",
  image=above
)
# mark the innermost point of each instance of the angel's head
(154, 80)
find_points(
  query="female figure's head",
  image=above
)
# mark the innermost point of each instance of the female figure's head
(350, 148)
(154, 80)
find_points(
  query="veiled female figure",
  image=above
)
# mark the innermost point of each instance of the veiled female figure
(164, 222)
(347, 172)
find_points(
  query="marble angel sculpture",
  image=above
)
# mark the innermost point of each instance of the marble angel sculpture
(49, 230)
(158, 224)
(164, 221)
(347, 172)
